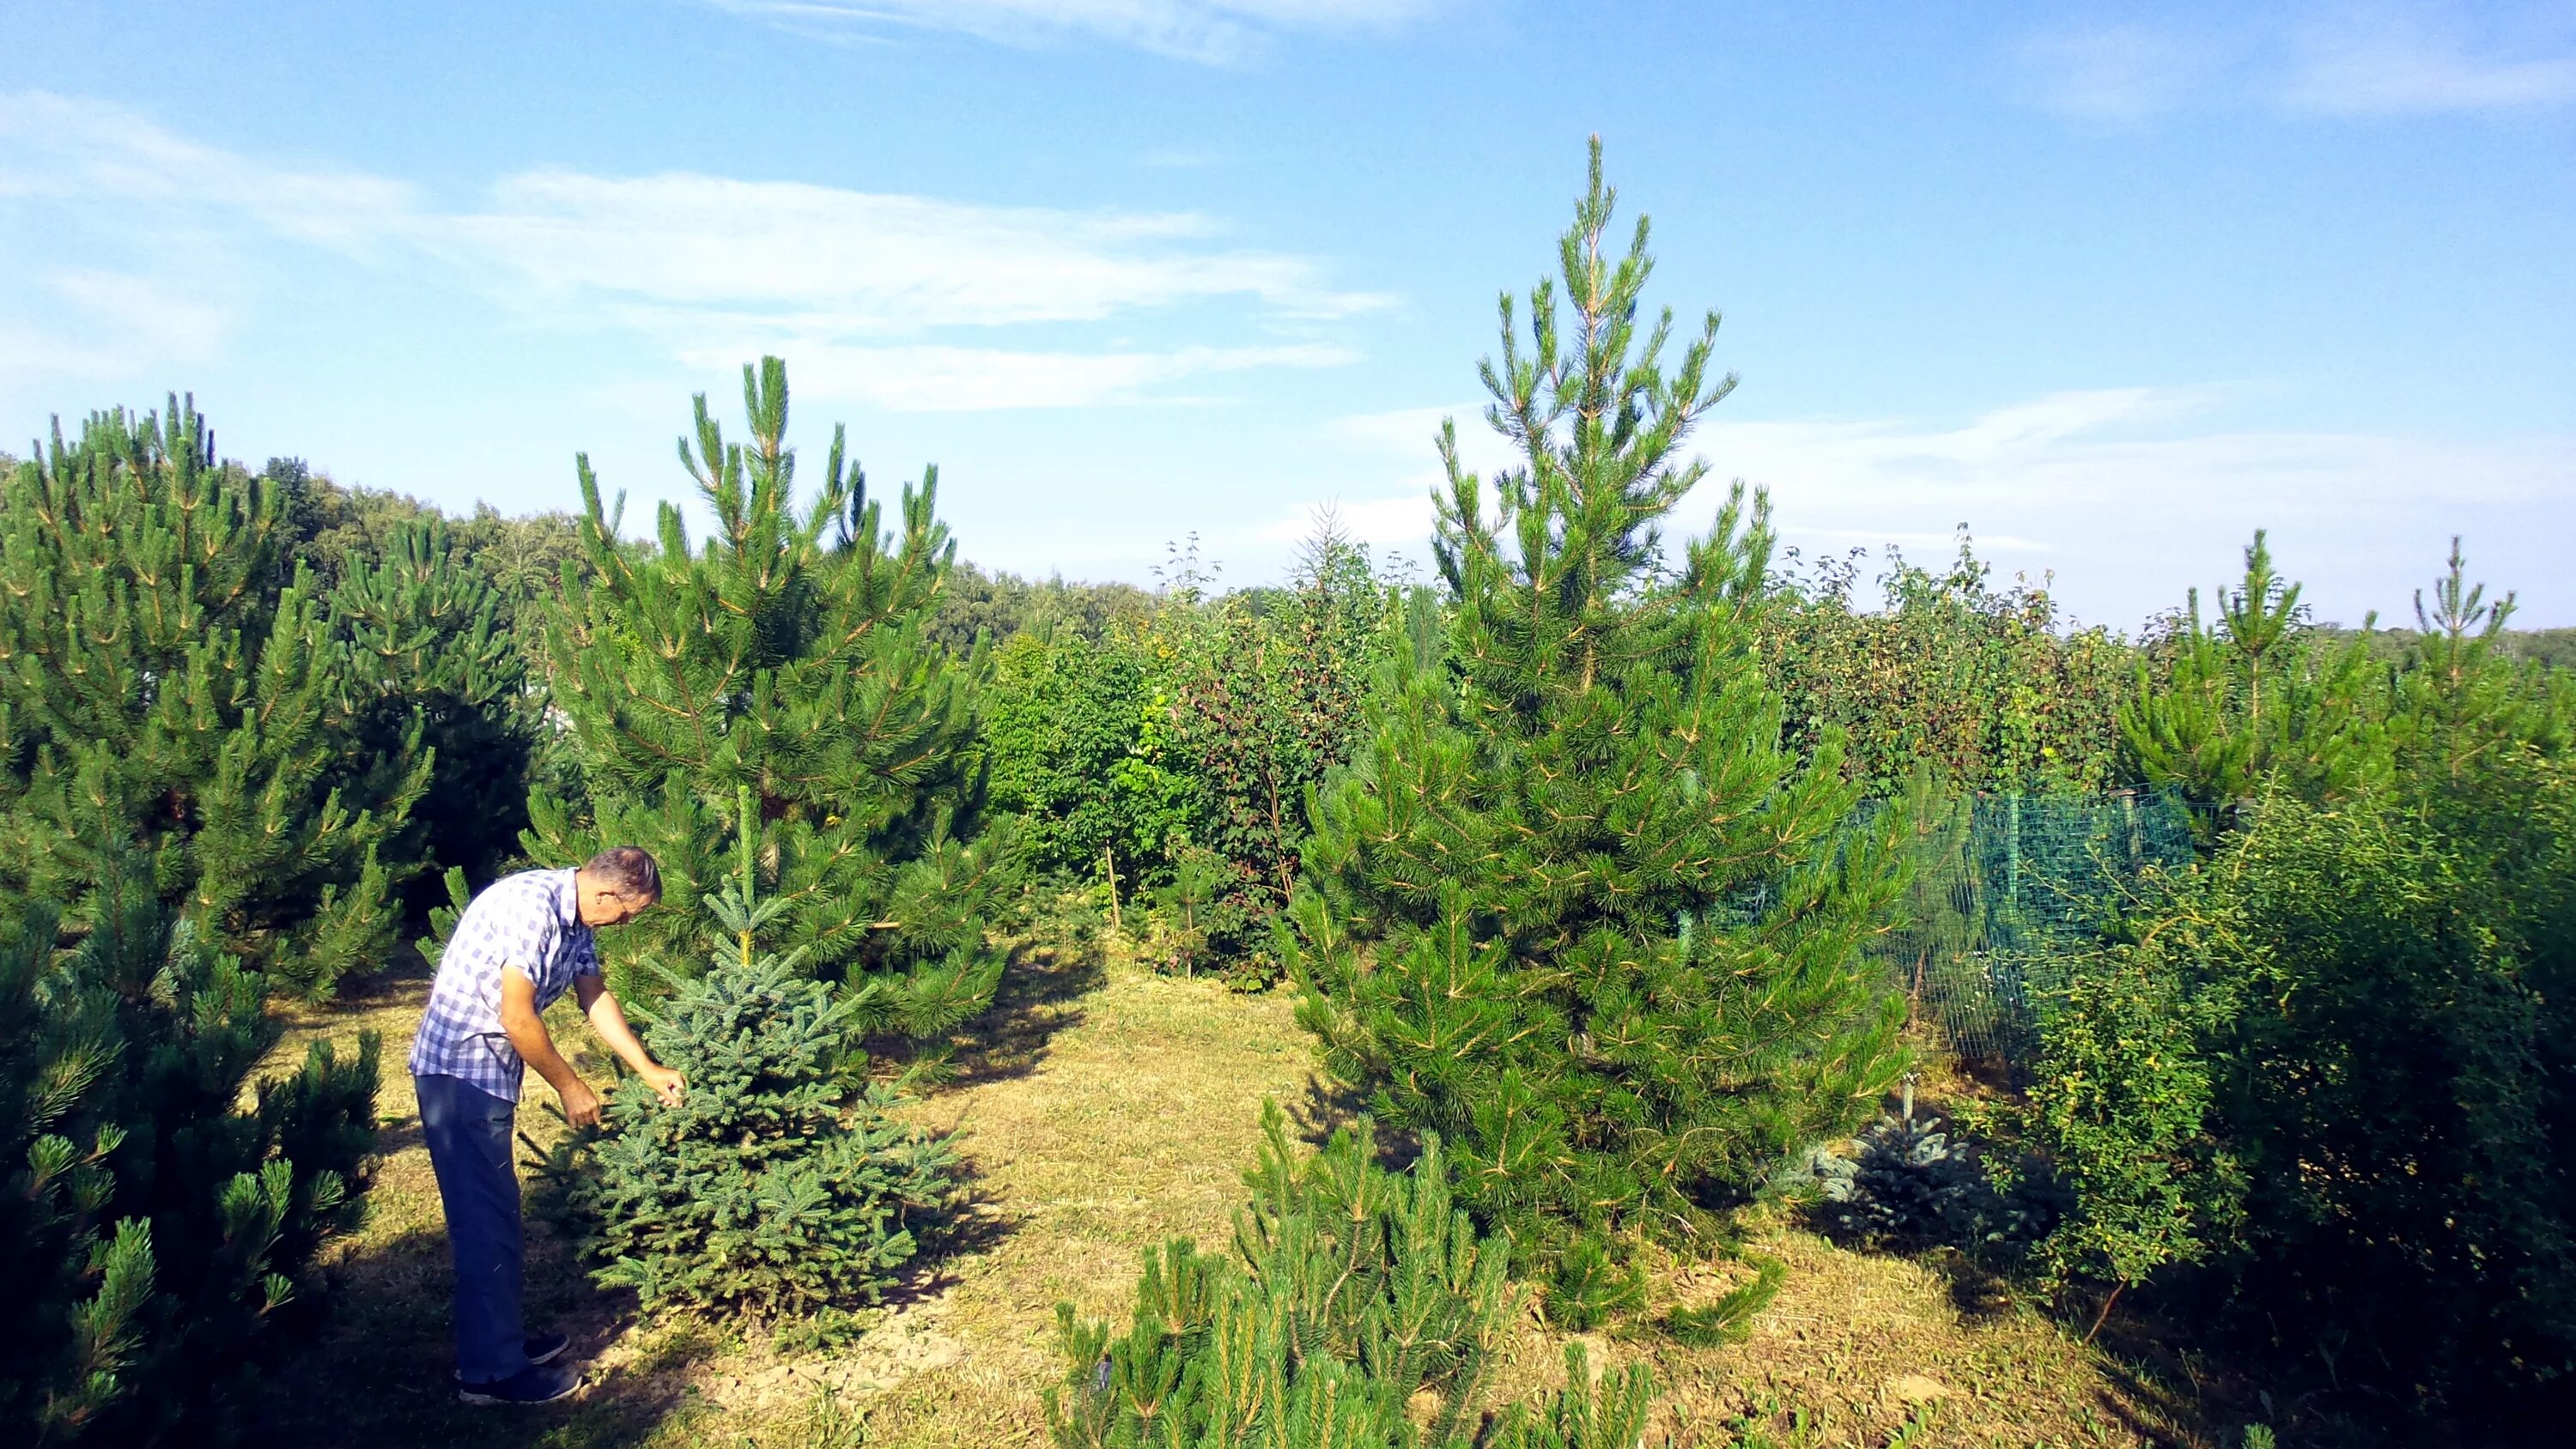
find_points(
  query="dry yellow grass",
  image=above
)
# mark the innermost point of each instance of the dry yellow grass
(1107, 1111)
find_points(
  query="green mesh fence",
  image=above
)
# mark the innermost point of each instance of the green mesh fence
(2005, 887)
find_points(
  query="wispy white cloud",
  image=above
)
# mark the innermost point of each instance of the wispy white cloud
(878, 296)
(2337, 59)
(68, 149)
(2116, 487)
(116, 321)
(1217, 32)
(859, 262)
(2120, 450)
(2119, 73)
(2418, 62)
(970, 379)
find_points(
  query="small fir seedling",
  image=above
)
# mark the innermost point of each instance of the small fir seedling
(783, 1185)
(1186, 900)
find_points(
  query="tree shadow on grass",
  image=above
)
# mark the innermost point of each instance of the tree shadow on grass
(1040, 995)
(1328, 1105)
(378, 1372)
(2177, 1353)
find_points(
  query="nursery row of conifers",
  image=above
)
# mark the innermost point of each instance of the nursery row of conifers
(1574, 854)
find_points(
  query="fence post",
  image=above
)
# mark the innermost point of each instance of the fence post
(1109, 871)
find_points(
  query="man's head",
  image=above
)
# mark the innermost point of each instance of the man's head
(616, 885)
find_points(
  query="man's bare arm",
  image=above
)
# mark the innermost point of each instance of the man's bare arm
(536, 1046)
(608, 1019)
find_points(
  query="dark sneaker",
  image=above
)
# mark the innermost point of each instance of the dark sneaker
(547, 1347)
(537, 1348)
(535, 1384)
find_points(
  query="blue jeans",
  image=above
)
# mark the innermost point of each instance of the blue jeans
(469, 1133)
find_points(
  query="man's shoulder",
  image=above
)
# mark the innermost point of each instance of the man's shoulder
(530, 896)
(524, 888)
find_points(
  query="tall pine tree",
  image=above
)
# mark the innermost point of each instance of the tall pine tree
(1574, 907)
(161, 666)
(784, 656)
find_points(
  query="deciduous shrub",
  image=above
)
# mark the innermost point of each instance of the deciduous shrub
(1078, 743)
(1267, 695)
(1186, 741)
(2119, 1106)
(1988, 689)
(2333, 1059)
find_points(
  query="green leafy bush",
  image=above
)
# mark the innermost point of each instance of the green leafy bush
(997, 607)
(2119, 1106)
(2333, 1060)
(1184, 741)
(784, 1186)
(1988, 689)
(154, 1233)
(1077, 739)
(1359, 1310)
(1267, 696)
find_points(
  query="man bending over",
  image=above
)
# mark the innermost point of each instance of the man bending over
(522, 943)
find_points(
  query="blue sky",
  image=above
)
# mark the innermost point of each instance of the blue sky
(2113, 285)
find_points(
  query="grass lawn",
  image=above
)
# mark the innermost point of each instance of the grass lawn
(1105, 1110)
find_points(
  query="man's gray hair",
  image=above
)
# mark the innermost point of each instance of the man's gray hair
(627, 870)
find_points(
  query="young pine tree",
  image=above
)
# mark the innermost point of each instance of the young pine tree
(780, 1186)
(1358, 1310)
(1575, 908)
(784, 655)
(2254, 700)
(426, 653)
(157, 1227)
(161, 665)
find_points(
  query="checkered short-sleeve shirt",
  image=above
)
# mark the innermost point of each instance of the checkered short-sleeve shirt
(531, 920)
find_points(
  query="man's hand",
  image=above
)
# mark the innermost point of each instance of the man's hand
(580, 1103)
(609, 1020)
(664, 1081)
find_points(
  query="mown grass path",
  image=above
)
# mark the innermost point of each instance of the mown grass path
(1105, 1111)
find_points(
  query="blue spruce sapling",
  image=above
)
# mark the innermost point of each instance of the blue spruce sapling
(784, 1185)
